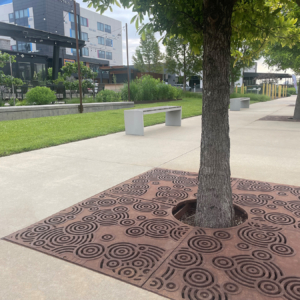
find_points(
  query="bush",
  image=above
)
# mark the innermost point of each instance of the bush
(148, 88)
(21, 103)
(253, 97)
(108, 96)
(291, 91)
(186, 94)
(40, 96)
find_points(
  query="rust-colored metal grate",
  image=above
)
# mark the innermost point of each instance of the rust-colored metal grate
(129, 232)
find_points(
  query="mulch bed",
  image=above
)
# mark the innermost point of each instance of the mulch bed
(129, 232)
(279, 118)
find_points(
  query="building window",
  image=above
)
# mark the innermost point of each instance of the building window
(101, 54)
(73, 51)
(71, 18)
(21, 13)
(100, 26)
(22, 22)
(84, 22)
(108, 55)
(107, 28)
(84, 36)
(100, 40)
(24, 47)
(85, 51)
(14, 48)
(11, 18)
(72, 33)
(109, 42)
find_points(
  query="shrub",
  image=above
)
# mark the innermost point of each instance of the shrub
(291, 91)
(21, 103)
(148, 88)
(108, 96)
(12, 102)
(253, 97)
(40, 96)
(186, 94)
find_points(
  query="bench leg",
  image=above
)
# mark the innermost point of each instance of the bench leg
(245, 104)
(235, 105)
(134, 122)
(173, 118)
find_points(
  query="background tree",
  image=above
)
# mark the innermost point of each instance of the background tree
(148, 57)
(181, 60)
(213, 24)
(287, 57)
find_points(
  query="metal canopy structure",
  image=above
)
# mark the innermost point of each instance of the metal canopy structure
(30, 35)
(266, 75)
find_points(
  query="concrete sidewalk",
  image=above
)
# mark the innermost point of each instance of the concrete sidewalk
(39, 183)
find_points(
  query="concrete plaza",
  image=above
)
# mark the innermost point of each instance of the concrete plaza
(39, 183)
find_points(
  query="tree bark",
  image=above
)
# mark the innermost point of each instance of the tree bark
(214, 199)
(297, 107)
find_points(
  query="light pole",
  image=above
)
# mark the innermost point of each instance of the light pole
(127, 64)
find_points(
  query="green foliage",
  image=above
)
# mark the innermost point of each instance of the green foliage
(186, 94)
(181, 59)
(291, 91)
(12, 102)
(4, 59)
(21, 103)
(9, 80)
(72, 68)
(50, 73)
(108, 96)
(40, 96)
(77, 100)
(253, 97)
(148, 57)
(147, 88)
(1, 103)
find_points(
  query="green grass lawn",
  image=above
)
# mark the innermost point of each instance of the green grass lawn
(29, 134)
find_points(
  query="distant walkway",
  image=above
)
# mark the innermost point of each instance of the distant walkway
(37, 184)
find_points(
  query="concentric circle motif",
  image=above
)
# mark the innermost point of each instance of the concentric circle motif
(279, 218)
(282, 194)
(127, 200)
(296, 192)
(175, 194)
(185, 258)
(166, 177)
(89, 203)
(231, 288)
(291, 287)
(282, 188)
(178, 186)
(243, 246)
(223, 262)
(160, 213)
(107, 237)
(79, 228)
(235, 197)
(128, 272)
(293, 205)
(257, 211)
(146, 206)
(155, 182)
(271, 206)
(140, 181)
(164, 188)
(251, 200)
(39, 243)
(41, 228)
(127, 222)
(223, 235)
(89, 218)
(89, 251)
(56, 220)
(269, 288)
(158, 228)
(205, 244)
(248, 185)
(279, 203)
(281, 249)
(199, 278)
(261, 255)
(123, 251)
(141, 218)
(171, 287)
(120, 209)
(112, 264)
(106, 202)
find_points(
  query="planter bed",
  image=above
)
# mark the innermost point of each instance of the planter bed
(38, 111)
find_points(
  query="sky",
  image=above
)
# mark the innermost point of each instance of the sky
(125, 15)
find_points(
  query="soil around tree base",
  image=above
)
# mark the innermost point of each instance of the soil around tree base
(189, 216)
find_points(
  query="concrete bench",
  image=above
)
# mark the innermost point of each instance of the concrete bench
(134, 118)
(237, 103)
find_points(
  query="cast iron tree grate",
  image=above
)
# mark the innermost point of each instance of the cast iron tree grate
(129, 232)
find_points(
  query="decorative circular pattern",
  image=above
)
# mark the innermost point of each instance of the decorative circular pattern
(269, 288)
(89, 218)
(177, 194)
(279, 202)
(281, 249)
(262, 255)
(279, 218)
(223, 235)
(135, 231)
(222, 262)
(56, 220)
(160, 213)
(164, 188)
(204, 243)
(112, 264)
(243, 246)
(158, 228)
(107, 237)
(257, 211)
(271, 206)
(291, 287)
(127, 201)
(282, 188)
(106, 202)
(231, 288)
(185, 258)
(89, 251)
(127, 222)
(199, 278)
(145, 206)
(128, 272)
(251, 200)
(41, 228)
(79, 228)
(140, 218)
(178, 186)
(166, 177)
(123, 251)
(89, 203)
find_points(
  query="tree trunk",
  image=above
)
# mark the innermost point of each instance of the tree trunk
(184, 71)
(297, 107)
(214, 199)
